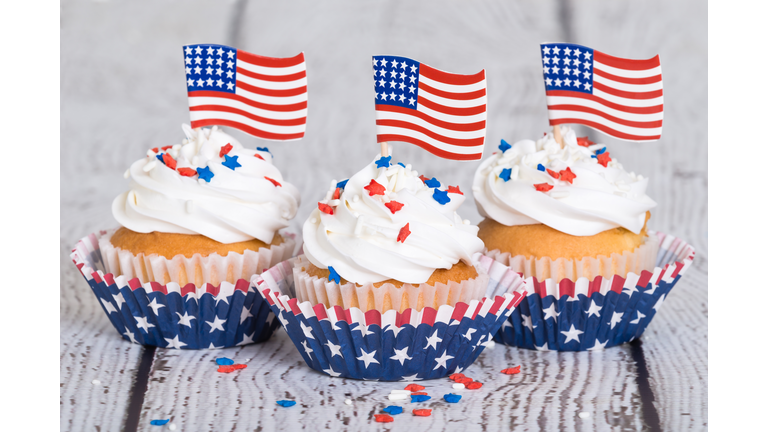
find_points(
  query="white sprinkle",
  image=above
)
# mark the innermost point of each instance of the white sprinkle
(559, 194)
(190, 206)
(174, 153)
(583, 415)
(356, 198)
(466, 222)
(595, 147)
(148, 167)
(405, 392)
(172, 426)
(458, 386)
(127, 173)
(334, 203)
(490, 344)
(328, 195)
(408, 167)
(246, 360)
(333, 185)
(414, 172)
(313, 221)
(515, 172)
(348, 401)
(359, 226)
(176, 147)
(96, 382)
(150, 153)
(394, 397)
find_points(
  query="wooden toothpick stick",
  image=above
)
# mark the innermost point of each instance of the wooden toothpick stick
(384, 149)
(558, 136)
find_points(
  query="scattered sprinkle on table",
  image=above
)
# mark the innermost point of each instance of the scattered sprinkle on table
(422, 412)
(159, 422)
(348, 401)
(393, 410)
(511, 371)
(95, 382)
(474, 385)
(223, 361)
(397, 396)
(172, 426)
(414, 387)
(419, 393)
(383, 418)
(286, 403)
(231, 368)
(583, 415)
(458, 386)
(420, 398)
(452, 398)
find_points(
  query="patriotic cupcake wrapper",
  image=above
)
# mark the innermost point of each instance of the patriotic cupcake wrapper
(388, 346)
(592, 315)
(172, 316)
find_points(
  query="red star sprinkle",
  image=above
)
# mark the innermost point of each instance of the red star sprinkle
(422, 178)
(456, 376)
(393, 206)
(414, 387)
(543, 187)
(259, 156)
(274, 182)
(155, 149)
(165, 148)
(567, 175)
(584, 141)
(465, 380)
(225, 150)
(419, 394)
(553, 173)
(402, 235)
(603, 159)
(454, 189)
(422, 412)
(336, 194)
(169, 161)
(231, 368)
(187, 172)
(511, 371)
(383, 418)
(374, 188)
(474, 385)
(325, 208)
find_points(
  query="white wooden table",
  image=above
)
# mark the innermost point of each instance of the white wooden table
(122, 91)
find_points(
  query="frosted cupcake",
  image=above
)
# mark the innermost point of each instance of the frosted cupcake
(567, 212)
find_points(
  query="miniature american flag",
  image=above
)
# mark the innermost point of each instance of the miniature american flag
(620, 97)
(263, 96)
(441, 112)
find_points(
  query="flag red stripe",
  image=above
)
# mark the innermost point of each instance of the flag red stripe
(268, 107)
(581, 108)
(451, 110)
(450, 78)
(628, 64)
(274, 78)
(285, 122)
(461, 127)
(627, 109)
(276, 93)
(626, 94)
(453, 141)
(245, 128)
(428, 147)
(270, 61)
(647, 80)
(450, 95)
(605, 129)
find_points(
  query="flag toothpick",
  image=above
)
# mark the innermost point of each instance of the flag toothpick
(384, 149)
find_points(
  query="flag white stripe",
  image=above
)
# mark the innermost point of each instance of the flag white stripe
(565, 100)
(628, 102)
(272, 100)
(275, 115)
(272, 85)
(381, 130)
(274, 71)
(453, 103)
(638, 88)
(453, 88)
(206, 115)
(453, 118)
(389, 115)
(625, 73)
(563, 114)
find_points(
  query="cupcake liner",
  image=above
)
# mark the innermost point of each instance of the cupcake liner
(642, 258)
(198, 269)
(597, 314)
(174, 316)
(389, 346)
(388, 296)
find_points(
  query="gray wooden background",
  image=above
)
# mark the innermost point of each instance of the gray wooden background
(123, 91)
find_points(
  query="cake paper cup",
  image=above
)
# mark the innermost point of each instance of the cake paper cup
(594, 314)
(173, 316)
(390, 346)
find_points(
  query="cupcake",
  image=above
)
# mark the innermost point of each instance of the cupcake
(199, 219)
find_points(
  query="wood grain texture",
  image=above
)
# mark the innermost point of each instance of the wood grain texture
(122, 92)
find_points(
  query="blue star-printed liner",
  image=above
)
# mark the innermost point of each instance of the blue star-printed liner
(342, 184)
(264, 149)
(441, 196)
(384, 162)
(159, 422)
(231, 162)
(393, 410)
(205, 174)
(452, 398)
(540, 167)
(420, 398)
(505, 174)
(223, 361)
(433, 183)
(504, 146)
(286, 403)
(333, 276)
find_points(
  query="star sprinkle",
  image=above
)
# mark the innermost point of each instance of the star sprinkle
(393, 410)
(433, 183)
(423, 178)
(325, 208)
(205, 174)
(474, 385)
(567, 175)
(384, 162)
(504, 146)
(169, 161)
(274, 182)
(419, 394)
(414, 387)
(336, 193)
(333, 276)
(420, 398)
(393, 206)
(441, 196)
(505, 174)
(231, 162)
(603, 159)
(540, 167)
(164, 148)
(454, 189)
(452, 398)
(231, 368)
(187, 172)
(224, 361)
(259, 156)
(225, 150)
(456, 376)
(422, 412)
(264, 149)
(374, 188)
(159, 422)
(342, 184)
(584, 141)
(543, 187)
(401, 164)
(554, 174)
(511, 371)
(601, 151)
(160, 157)
(286, 403)
(403, 234)
(383, 418)
(155, 149)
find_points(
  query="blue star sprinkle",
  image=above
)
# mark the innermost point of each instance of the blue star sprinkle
(420, 398)
(231, 162)
(160, 157)
(384, 162)
(223, 361)
(286, 403)
(433, 183)
(264, 149)
(333, 276)
(541, 167)
(452, 398)
(159, 422)
(342, 184)
(505, 174)
(504, 146)
(601, 151)
(441, 196)
(401, 164)
(393, 410)
(205, 174)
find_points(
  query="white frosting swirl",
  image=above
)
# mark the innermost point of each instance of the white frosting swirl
(600, 198)
(236, 205)
(360, 239)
